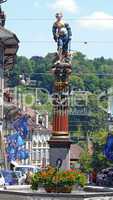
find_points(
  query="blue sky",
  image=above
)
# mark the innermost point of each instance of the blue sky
(91, 20)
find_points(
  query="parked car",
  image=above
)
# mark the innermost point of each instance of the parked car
(21, 178)
(2, 180)
(10, 177)
(25, 168)
(105, 177)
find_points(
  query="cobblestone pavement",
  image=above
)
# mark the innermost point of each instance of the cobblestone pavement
(99, 198)
(17, 197)
(41, 195)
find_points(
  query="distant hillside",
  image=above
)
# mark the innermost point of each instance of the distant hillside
(92, 75)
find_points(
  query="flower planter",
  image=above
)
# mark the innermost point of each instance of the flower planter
(58, 189)
(54, 181)
(48, 189)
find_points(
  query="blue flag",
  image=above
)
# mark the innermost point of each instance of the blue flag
(19, 141)
(22, 154)
(108, 149)
(16, 141)
(21, 126)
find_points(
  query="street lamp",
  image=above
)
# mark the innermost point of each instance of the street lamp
(22, 79)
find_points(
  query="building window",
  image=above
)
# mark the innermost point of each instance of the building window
(44, 144)
(44, 153)
(34, 162)
(39, 144)
(34, 155)
(34, 143)
(39, 156)
(47, 154)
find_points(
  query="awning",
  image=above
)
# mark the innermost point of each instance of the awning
(10, 43)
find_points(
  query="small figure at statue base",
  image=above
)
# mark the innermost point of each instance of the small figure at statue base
(61, 68)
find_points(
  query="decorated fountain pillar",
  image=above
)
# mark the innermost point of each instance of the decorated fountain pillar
(60, 141)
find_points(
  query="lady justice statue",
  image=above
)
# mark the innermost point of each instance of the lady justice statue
(62, 35)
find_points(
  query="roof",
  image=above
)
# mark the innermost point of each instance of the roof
(10, 41)
(75, 152)
(40, 128)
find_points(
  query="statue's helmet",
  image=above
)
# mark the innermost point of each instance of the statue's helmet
(59, 15)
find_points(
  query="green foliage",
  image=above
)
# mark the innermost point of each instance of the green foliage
(28, 99)
(87, 74)
(98, 118)
(35, 181)
(53, 177)
(77, 82)
(91, 75)
(85, 161)
(97, 161)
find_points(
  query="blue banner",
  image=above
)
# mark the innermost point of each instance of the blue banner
(16, 142)
(108, 149)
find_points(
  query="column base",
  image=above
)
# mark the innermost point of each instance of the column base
(60, 152)
(60, 135)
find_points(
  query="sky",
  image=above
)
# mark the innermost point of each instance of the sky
(91, 21)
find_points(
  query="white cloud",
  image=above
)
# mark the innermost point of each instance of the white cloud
(65, 5)
(97, 20)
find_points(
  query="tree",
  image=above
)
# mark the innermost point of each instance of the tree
(97, 161)
(87, 74)
(77, 82)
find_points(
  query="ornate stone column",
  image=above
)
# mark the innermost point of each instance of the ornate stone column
(60, 141)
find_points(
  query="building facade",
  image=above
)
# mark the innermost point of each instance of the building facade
(40, 148)
(37, 143)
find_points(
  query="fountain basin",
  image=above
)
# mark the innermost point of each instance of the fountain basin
(24, 193)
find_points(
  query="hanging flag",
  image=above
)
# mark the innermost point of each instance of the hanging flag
(11, 153)
(22, 154)
(10, 150)
(11, 138)
(21, 126)
(19, 141)
(108, 149)
(16, 141)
